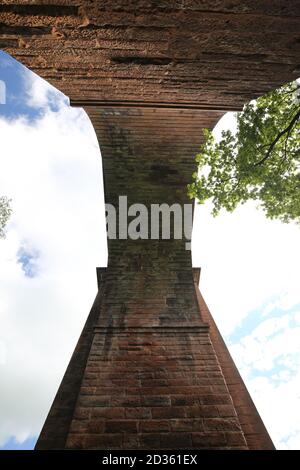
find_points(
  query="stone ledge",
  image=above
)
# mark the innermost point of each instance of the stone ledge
(157, 329)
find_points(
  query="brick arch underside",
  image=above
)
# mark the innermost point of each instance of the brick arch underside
(219, 54)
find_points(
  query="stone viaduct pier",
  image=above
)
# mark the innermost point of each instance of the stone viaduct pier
(150, 370)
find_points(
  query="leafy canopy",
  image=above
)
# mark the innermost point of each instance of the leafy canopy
(261, 161)
(5, 211)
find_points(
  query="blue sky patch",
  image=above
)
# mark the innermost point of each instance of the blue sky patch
(13, 444)
(256, 317)
(28, 258)
(16, 78)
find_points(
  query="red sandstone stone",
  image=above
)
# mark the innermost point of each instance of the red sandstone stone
(147, 371)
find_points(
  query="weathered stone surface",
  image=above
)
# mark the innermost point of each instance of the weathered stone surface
(218, 53)
(151, 370)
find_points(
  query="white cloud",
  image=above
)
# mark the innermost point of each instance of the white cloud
(39, 93)
(274, 345)
(246, 261)
(272, 340)
(2, 92)
(51, 168)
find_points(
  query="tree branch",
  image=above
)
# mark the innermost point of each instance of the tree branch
(291, 91)
(278, 137)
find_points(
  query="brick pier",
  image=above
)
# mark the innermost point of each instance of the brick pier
(145, 373)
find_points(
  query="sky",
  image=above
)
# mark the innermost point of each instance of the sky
(50, 167)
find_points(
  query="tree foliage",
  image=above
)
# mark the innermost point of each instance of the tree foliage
(5, 211)
(261, 161)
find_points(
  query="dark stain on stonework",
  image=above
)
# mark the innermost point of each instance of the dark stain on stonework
(138, 262)
(123, 310)
(136, 60)
(108, 339)
(24, 30)
(40, 10)
(159, 172)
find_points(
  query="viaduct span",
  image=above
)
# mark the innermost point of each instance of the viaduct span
(150, 370)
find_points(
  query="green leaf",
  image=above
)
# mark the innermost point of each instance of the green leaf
(260, 162)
